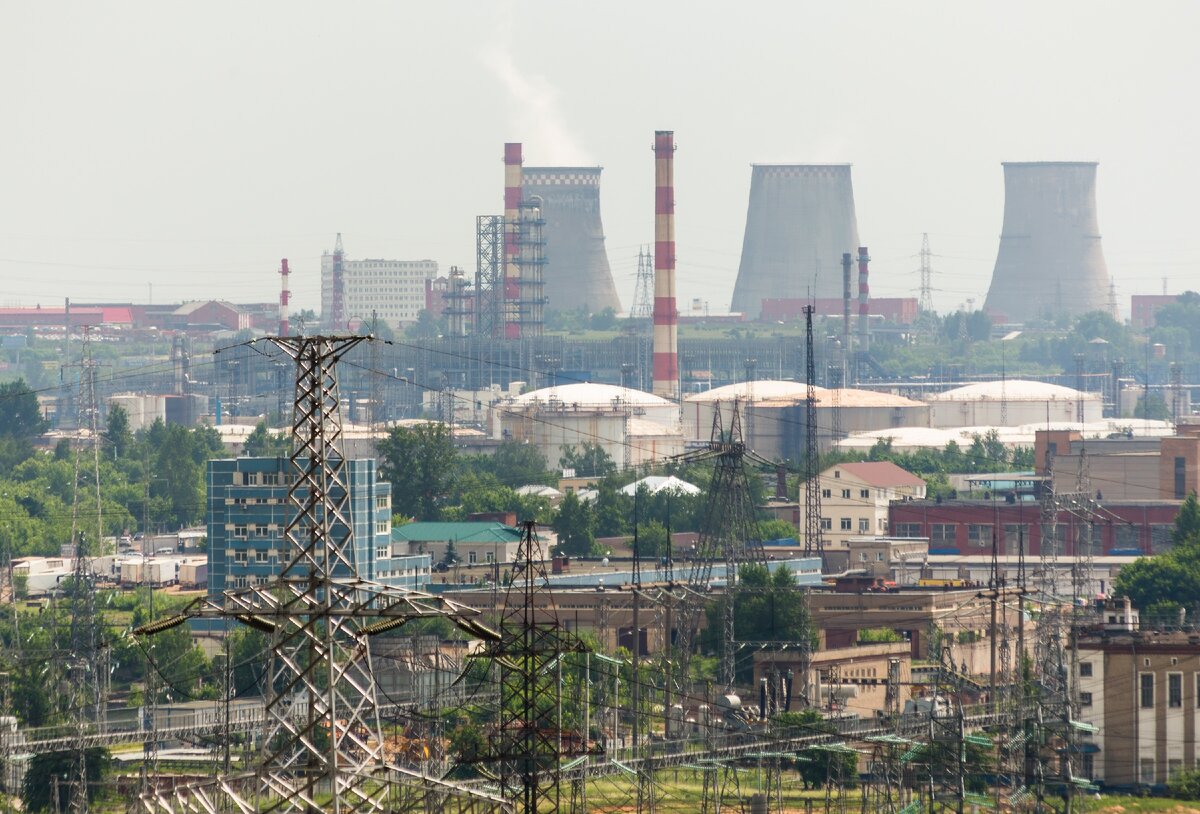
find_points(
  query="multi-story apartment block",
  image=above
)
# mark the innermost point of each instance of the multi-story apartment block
(248, 510)
(395, 290)
(855, 498)
(1140, 690)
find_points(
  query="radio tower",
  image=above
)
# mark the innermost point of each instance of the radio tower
(926, 301)
(643, 292)
(814, 544)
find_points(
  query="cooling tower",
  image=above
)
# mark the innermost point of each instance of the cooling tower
(1050, 261)
(799, 223)
(577, 274)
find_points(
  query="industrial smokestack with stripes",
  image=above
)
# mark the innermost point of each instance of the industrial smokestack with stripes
(799, 223)
(577, 274)
(666, 351)
(1050, 261)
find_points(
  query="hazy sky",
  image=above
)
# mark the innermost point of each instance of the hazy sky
(192, 145)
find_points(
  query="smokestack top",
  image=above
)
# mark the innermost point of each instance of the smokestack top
(512, 152)
(664, 141)
(1049, 163)
(562, 176)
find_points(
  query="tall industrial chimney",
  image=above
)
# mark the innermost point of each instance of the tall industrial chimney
(577, 273)
(666, 352)
(1050, 261)
(799, 222)
(512, 241)
(847, 261)
(284, 295)
(864, 298)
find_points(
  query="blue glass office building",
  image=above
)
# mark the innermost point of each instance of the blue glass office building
(248, 511)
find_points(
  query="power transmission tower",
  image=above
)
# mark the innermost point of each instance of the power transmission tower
(86, 669)
(323, 745)
(529, 740)
(925, 303)
(814, 543)
(643, 292)
(335, 320)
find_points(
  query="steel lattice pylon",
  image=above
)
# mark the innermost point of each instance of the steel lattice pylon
(529, 741)
(323, 743)
(814, 541)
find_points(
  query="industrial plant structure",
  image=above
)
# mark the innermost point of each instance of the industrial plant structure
(577, 274)
(354, 290)
(799, 223)
(1050, 261)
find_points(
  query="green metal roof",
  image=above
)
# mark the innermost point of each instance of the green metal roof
(465, 532)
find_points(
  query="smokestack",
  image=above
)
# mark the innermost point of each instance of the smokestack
(512, 240)
(799, 221)
(847, 260)
(666, 354)
(864, 296)
(284, 295)
(577, 271)
(1050, 261)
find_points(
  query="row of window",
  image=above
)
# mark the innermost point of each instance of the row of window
(1174, 690)
(847, 524)
(862, 493)
(267, 530)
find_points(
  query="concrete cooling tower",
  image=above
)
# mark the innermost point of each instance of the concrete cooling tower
(577, 274)
(799, 223)
(1050, 260)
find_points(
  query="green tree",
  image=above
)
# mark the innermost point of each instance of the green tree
(652, 539)
(20, 416)
(588, 461)
(1162, 584)
(420, 462)
(514, 463)
(614, 511)
(116, 431)
(776, 530)
(576, 526)
(179, 475)
(47, 770)
(1186, 529)
(262, 443)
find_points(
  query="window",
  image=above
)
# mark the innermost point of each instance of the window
(1197, 690)
(487, 556)
(864, 525)
(260, 555)
(1160, 538)
(865, 493)
(837, 473)
(979, 535)
(471, 557)
(846, 524)
(239, 556)
(382, 527)
(878, 556)
(1085, 669)
(826, 524)
(1180, 478)
(270, 479)
(251, 478)
(381, 552)
(382, 501)
(1146, 771)
(862, 556)
(826, 493)
(908, 529)
(941, 534)
(1146, 682)
(1174, 767)
(1089, 766)
(260, 529)
(1175, 690)
(1085, 699)
(239, 531)
(1126, 537)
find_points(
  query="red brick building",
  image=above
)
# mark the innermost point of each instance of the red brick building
(966, 526)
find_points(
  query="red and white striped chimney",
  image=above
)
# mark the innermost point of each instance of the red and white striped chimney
(284, 295)
(666, 352)
(512, 241)
(864, 295)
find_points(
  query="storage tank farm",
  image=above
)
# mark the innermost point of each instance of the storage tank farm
(1050, 261)
(577, 274)
(799, 223)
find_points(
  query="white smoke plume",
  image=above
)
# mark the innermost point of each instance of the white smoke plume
(534, 114)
